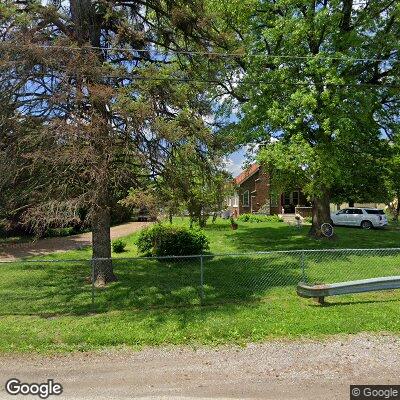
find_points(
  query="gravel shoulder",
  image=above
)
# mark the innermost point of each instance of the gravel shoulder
(59, 244)
(274, 370)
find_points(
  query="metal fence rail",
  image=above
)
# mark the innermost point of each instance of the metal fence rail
(51, 286)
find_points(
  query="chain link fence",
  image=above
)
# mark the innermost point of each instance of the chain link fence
(52, 287)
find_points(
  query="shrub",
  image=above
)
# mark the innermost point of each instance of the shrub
(118, 246)
(60, 232)
(164, 240)
(244, 217)
(254, 218)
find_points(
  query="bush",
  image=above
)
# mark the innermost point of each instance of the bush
(120, 214)
(118, 246)
(254, 218)
(164, 240)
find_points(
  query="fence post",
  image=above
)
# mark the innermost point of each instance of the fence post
(201, 279)
(92, 273)
(303, 267)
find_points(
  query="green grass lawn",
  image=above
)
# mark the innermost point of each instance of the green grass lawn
(47, 307)
(267, 236)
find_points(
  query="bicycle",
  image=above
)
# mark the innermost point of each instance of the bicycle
(327, 230)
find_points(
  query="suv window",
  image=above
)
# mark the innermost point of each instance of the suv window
(342, 211)
(354, 211)
(376, 212)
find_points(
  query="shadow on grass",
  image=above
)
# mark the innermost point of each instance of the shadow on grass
(61, 288)
(51, 289)
(44, 288)
(151, 283)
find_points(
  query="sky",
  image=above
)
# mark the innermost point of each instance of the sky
(246, 154)
(235, 162)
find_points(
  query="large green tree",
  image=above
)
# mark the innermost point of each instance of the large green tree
(198, 181)
(104, 84)
(318, 76)
(392, 178)
(193, 181)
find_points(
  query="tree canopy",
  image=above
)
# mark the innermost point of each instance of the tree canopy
(100, 92)
(322, 78)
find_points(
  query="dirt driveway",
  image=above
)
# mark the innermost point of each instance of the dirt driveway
(274, 370)
(58, 244)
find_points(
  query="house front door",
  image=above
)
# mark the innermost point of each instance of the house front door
(288, 205)
(291, 200)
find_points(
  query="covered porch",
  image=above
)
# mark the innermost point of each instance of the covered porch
(290, 203)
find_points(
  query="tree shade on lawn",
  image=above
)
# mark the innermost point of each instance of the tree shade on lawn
(48, 308)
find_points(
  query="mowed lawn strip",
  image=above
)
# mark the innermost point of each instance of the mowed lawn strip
(265, 236)
(46, 307)
(282, 315)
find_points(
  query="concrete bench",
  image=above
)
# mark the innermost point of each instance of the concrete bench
(319, 292)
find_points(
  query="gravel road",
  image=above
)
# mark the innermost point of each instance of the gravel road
(306, 369)
(59, 244)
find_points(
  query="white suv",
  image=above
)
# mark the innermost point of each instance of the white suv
(367, 218)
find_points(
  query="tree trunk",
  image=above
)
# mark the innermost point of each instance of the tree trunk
(321, 214)
(86, 29)
(351, 203)
(170, 215)
(202, 220)
(101, 245)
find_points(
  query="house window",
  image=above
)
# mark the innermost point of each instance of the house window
(229, 201)
(246, 198)
(296, 198)
(286, 200)
(236, 200)
(273, 200)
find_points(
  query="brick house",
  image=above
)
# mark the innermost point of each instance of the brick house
(253, 194)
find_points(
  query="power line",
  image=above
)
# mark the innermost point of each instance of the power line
(211, 54)
(216, 81)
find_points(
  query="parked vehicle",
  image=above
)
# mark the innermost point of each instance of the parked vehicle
(366, 218)
(143, 215)
(226, 214)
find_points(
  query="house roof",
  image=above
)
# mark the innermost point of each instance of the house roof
(246, 174)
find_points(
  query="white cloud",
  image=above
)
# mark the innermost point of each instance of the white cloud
(209, 119)
(232, 166)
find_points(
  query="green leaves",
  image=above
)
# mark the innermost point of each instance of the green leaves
(317, 79)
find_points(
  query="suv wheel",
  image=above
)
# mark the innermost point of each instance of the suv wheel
(366, 225)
